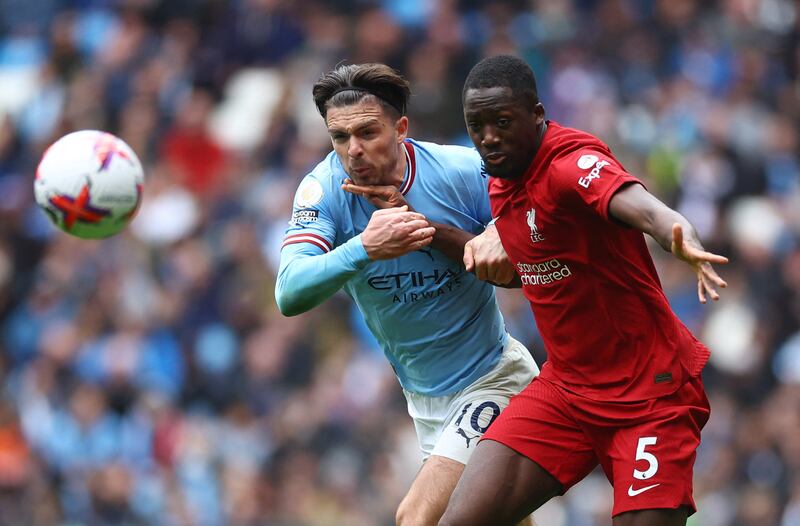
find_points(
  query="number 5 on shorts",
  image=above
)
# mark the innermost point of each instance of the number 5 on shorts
(651, 460)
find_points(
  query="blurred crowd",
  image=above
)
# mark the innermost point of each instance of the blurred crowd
(149, 379)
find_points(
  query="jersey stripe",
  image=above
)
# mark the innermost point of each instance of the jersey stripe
(412, 171)
(307, 237)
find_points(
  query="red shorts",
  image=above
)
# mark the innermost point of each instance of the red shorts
(646, 449)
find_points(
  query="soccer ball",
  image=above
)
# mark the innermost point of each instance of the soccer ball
(89, 183)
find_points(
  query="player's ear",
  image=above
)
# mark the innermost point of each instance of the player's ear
(538, 112)
(401, 127)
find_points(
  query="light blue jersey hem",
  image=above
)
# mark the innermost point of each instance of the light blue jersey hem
(490, 362)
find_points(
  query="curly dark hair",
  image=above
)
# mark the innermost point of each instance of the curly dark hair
(504, 71)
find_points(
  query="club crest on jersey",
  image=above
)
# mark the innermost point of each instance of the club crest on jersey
(535, 235)
(309, 194)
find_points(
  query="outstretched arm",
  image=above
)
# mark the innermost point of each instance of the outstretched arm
(636, 207)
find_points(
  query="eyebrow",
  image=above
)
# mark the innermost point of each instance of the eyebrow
(495, 110)
(360, 126)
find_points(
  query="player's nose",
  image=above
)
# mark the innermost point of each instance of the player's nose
(489, 137)
(354, 148)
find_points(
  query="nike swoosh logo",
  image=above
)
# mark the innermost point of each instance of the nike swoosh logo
(633, 492)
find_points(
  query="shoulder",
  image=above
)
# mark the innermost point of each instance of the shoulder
(568, 144)
(575, 152)
(320, 183)
(447, 158)
(448, 154)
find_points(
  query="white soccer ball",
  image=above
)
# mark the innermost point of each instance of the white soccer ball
(89, 183)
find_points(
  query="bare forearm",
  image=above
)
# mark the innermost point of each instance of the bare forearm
(450, 241)
(661, 229)
(639, 209)
(636, 207)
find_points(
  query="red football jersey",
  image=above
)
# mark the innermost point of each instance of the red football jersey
(608, 329)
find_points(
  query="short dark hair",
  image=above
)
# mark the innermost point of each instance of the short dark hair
(349, 84)
(504, 71)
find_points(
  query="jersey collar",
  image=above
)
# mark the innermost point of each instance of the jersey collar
(537, 159)
(411, 168)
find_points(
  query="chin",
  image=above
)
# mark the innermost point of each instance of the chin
(365, 181)
(501, 172)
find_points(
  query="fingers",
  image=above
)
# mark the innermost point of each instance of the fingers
(419, 238)
(422, 243)
(707, 279)
(381, 192)
(412, 220)
(398, 218)
(469, 257)
(704, 287)
(379, 203)
(503, 274)
(701, 291)
(689, 252)
(481, 272)
(413, 230)
(692, 254)
(485, 257)
(708, 257)
(418, 227)
(712, 276)
(402, 212)
(368, 191)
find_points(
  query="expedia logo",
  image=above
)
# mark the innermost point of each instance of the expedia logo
(585, 162)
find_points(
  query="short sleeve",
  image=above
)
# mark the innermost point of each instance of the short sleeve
(477, 182)
(589, 176)
(311, 220)
(481, 192)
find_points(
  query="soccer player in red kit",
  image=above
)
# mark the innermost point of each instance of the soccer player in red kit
(621, 386)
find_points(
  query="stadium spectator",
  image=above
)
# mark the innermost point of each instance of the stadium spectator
(700, 98)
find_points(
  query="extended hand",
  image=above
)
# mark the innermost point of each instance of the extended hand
(700, 261)
(393, 232)
(484, 255)
(381, 196)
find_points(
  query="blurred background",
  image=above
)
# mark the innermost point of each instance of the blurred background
(149, 378)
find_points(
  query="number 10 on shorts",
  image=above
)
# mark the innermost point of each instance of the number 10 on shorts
(651, 460)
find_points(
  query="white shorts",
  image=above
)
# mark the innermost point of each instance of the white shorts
(450, 426)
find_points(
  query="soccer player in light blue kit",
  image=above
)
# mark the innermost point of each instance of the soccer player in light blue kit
(386, 219)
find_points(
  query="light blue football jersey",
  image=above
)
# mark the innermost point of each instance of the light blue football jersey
(439, 326)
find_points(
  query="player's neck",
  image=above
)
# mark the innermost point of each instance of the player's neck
(539, 141)
(399, 172)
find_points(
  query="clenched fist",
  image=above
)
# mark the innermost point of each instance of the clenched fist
(484, 255)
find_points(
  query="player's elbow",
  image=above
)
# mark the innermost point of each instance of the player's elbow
(289, 304)
(288, 307)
